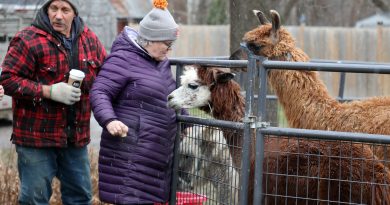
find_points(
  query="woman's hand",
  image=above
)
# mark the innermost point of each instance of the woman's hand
(117, 128)
(1, 92)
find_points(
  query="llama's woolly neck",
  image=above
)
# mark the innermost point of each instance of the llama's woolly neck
(229, 107)
(303, 96)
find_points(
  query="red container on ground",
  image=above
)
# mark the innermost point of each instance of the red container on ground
(188, 198)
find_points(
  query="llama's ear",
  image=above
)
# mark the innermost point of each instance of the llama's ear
(239, 54)
(275, 21)
(224, 77)
(260, 15)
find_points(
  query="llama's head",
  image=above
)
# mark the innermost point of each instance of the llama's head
(209, 88)
(270, 40)
(196, 87)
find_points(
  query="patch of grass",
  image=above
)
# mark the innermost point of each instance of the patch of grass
(282, 121)
(9, 186)
(198, 113)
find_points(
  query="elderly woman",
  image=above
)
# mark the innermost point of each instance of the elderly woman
(129, 100)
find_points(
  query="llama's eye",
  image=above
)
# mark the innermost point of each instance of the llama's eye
(254, 47)
(193, 86)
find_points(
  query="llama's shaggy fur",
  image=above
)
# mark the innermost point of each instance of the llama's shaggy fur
(206, 165)
(316, 170)
(304, 97)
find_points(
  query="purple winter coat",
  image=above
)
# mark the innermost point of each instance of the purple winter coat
(133, 88)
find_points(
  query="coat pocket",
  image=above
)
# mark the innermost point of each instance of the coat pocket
(47, 74)
(134, 126)
(90, 69)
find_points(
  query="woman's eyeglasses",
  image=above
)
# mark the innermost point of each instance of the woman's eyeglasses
(169, 44)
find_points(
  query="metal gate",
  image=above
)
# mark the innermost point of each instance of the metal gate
(292, 166)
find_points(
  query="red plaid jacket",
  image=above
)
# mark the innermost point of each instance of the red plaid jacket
(36, 58)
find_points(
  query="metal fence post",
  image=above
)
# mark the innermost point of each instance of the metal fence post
(261, 113)
(248, 120)
(176, 155)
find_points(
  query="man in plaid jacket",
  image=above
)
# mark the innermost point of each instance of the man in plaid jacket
(51, 119)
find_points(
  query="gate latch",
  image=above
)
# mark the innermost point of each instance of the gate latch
(260, 124)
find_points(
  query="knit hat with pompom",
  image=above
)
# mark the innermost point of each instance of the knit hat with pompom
(158, 24)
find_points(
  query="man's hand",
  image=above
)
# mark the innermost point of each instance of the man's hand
(64, 93)
(117, 128)
(1, 92)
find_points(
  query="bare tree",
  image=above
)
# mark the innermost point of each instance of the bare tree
(241, 20)
(289, 7)
(180, 11)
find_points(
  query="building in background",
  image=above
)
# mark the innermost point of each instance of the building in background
(374, 20)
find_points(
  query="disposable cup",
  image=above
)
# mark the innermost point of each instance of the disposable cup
(76, 78)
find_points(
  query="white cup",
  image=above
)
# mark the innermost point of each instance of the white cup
(76, 78)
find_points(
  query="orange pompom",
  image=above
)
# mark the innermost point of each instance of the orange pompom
(161, 4)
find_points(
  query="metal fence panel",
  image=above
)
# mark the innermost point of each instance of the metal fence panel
(293, 166)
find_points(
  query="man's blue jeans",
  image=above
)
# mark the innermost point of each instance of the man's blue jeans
(38, 166)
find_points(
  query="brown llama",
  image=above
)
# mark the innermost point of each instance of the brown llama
(304, 97)
(295, 171)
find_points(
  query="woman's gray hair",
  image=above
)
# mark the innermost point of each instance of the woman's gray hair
(142, 42)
